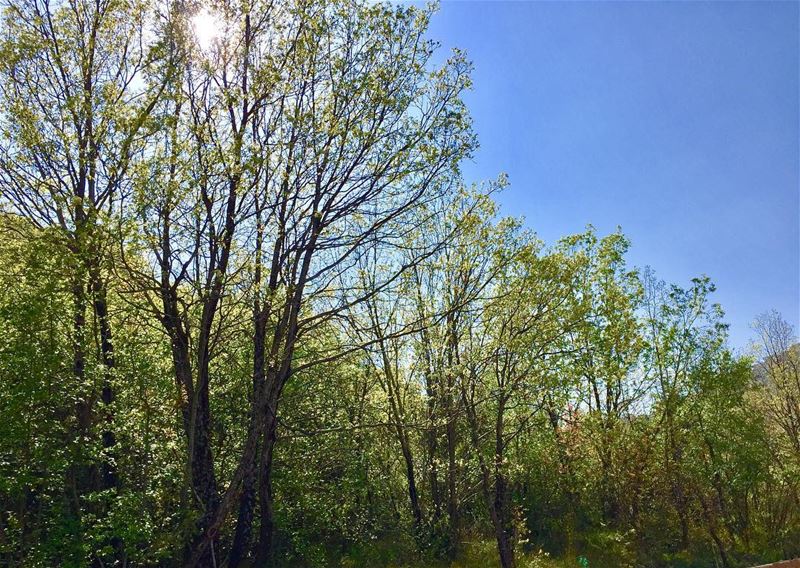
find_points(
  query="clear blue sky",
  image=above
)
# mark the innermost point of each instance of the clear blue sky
(677, 121)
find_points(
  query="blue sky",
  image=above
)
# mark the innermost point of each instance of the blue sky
(677, 121)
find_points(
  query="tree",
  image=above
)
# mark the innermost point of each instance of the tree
(514, 350)
(779, 371)
(682, 331)
(327, 347)
(448, 291)
(311, 145)
(776, 398)
(73, 117)
(607, 347)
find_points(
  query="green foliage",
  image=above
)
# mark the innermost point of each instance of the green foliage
(246, 296)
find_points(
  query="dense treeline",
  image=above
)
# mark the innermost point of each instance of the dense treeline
(250, 315)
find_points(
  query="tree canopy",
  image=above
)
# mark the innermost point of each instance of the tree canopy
(252, 314)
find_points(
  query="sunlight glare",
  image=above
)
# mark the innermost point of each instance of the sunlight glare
(206, 26)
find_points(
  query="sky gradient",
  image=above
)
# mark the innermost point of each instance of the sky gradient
(677, 121)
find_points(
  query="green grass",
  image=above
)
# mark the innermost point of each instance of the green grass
(475, 554)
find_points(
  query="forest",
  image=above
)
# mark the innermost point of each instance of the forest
(253, 314)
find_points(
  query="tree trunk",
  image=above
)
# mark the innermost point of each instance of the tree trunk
(202, 463)
(452, 497)
(244, 520)
(197, 426)
(504, 528)
(397, 415)
(109, 478)
(672, 463)
(81, 474)
(265, 548)
(498, 506)
(504, 544)
(712, 530)
(502, 521)
(247, 499)
(610, 502)
(204, 480)
(412, 484)
(450, 432)
(567, 477)
(432, 447)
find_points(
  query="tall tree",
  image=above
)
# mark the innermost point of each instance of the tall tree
(75, 112)
(607, 347)
(779, 372)
(448, 291)
(515, 350)
(682, 328)
(307, 134)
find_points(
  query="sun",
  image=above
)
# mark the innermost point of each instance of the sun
(206, 27)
